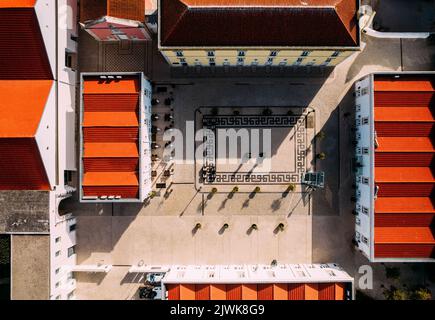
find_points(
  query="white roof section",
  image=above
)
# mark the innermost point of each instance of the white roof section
(93, 268)
(282, 273)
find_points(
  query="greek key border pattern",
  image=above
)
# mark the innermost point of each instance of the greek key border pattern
(250, 121)
(246, 121)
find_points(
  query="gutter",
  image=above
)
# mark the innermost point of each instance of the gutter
(366, 17)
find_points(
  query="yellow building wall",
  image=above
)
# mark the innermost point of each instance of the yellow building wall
(178, 58)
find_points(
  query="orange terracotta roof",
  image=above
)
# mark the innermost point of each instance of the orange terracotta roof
(403, 114)
(110, 179)
(405, 144)
(21, 106)
(406, 84)
(97, 86)
(404, 174)
(404, 204)
(124, 9)
(110, 119)
(420, 235)
(112, 150)
(17, 3)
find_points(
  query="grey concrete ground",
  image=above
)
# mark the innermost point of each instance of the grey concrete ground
(319, 226)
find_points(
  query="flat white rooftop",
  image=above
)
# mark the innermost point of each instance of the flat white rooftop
(283, 273)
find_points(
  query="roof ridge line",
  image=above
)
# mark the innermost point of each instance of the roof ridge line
(186, 9)
(337, 11)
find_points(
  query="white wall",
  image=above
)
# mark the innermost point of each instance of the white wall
(67, 27)
(46, 137)
(145, 143)
(46, 13)
(67, 78)
(67, 118)
(61, 238)
(365, 155)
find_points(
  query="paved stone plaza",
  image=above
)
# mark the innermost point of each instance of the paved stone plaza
(319, 224)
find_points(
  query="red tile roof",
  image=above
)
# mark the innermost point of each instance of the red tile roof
(17, 3)
(281, 291)
(22, 50)
(21, 166)
(21, 108)
(110, 135)
(242, 23)
(125, 9)
(22, 105)
(404, 167)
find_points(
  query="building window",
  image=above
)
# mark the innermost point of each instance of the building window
(365, 120)
(365, 210)
(57, 284)
(179, 53)
(365, 180)
(300, 60)
(57, 271)
(358, 108)
(212, 64)
(72, 227)
(182, 60)
(184, 64)
(70, 276)
(358, 221)
(328, 60)
(241, 53)
(270, 60)
(71, 251)
(336, 54)
(67, 176)
(365, 240)
(70, 295)
(305, 53)
(57, 253)
(57, 297)
(358, 236)
(57, 240)
(365, 150)
(70, 60)
(210, 53)
(273, 53)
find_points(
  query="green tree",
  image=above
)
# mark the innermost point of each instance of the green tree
(396, 294)
(421, 294)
